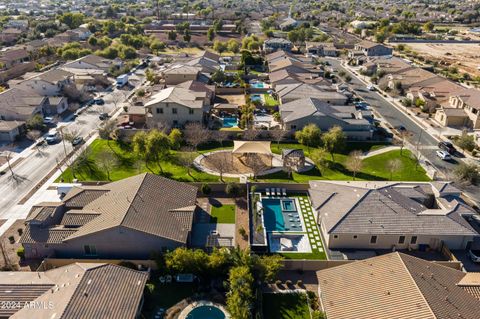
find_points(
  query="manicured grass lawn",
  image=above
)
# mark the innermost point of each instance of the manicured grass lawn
(165, 296)
(224, 214)
(270, 100)
(311, 256)
(374, 168)
(129, 165)
(285, 306)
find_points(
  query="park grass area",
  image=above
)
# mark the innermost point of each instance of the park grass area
(285, 306)
(224, 214)
(374, 168)
(269, 100)
(129, 165)
(165, 296)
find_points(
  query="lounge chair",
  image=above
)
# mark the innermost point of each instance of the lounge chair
(267, 191)
(284, 192)
(279, 193)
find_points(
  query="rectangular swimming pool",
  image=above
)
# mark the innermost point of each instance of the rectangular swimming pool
(230, 122)
(281, 215)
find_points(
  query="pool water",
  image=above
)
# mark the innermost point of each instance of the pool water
(230, 122)
(206, 312)
(258, 85)
(281, 215)
(255, 97)
(288, 205)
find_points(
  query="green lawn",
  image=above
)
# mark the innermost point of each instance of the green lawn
(224, 214)
(165, 296)
(374, 168)
(270, 100)
(285, 306)
(129, 165)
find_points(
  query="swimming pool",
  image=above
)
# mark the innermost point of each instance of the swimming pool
(258, 85)
(255, 97)
(230, 122)
(281, 215)
(206, 312)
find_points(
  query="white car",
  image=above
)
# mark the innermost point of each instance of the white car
(52, 137)
(444, 155)
(48, 120)
(370, 87)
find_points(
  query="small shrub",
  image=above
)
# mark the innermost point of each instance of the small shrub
(253, 189)
(11, 239)
(150, 288)
(21, 252)
(205, 189)
(242, 232)
(20, 231)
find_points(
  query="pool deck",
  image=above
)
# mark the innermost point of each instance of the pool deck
(307, 217)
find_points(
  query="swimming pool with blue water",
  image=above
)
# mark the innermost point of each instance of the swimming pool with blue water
(280, 215)
(206, 312)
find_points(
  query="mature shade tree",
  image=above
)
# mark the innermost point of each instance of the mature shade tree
(318, 156)
(195, 134)
(158, 147)
(240, 295)
(107, 160)
(466, 141)
(175, 137)
(310, 136)
(467, 173)
(334, 140)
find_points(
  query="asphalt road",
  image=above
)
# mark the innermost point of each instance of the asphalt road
(35, 165)
(427, 143)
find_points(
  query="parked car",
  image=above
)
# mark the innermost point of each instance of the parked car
(401, 128)
(444, 155)
(103, 116)
(99, 101)
(77, 141)
(48, 120)
(475, 219)
(474, 255)
(52, 137)
(447, 146)
(370, 87)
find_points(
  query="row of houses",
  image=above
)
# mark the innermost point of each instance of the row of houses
(47, 93)
(306, 97)
(452, 104)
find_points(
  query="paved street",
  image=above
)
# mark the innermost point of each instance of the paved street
(34, 165)
(428, 144)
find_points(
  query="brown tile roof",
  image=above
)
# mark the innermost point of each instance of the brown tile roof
(395, 286)
(78, 197)
(108, 291)
(78, 290)
(42, 211)
(37, 234)
(77, 218)
(146, 203)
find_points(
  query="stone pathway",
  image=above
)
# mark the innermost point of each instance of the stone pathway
(310, 225)
(380, 151)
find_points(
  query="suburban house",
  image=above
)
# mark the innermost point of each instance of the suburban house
(463, 110)
(390, 215)
(10, 35)
(434, 92)
(275, 44)
(90, 62)
(397, 285)
(177, 106)
(411, 77)
(283, 77)
(197, 86)
(9, 130)
(20, 105)
(15, 62)
(287, 63)
(49, 83)
(288, 23)
(77, 290)
(127, 219)
(207, 61)
(369, 48)
(179, 73)
(295, 91)
(296, 114)
(17, 24)
(322, 49)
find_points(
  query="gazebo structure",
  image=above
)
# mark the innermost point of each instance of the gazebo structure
(247, 148)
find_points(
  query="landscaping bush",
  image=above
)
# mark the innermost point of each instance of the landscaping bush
(11, 239)
(253, 189)
(20, 231)
(150, 287)
(21, 252)
(242, 232)
(232, 189)
(205, 189)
